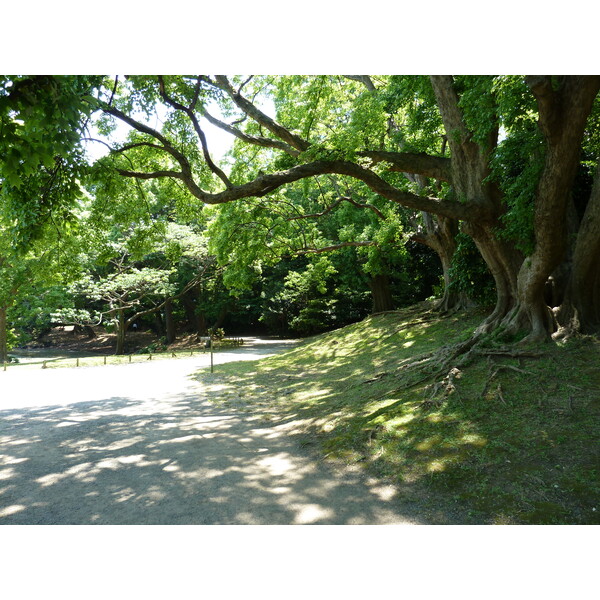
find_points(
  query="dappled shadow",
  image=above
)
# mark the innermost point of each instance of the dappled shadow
(515, 452)
(172, 460)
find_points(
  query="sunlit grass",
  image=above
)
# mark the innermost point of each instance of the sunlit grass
(526, 451)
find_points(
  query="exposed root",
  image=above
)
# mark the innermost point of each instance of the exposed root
(499, 394)
(442, 367)
(441, 390)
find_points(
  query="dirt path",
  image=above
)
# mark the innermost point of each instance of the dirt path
(140, 444)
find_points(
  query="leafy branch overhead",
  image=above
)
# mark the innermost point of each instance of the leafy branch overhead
(359, 165)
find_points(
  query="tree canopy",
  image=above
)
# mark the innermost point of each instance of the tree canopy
(495, 174)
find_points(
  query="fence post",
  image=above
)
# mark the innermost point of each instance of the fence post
(105, 359)
(130, 358)
(77, 362)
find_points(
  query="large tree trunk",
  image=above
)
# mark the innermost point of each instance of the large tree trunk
(3, 335)
(564, 107)
(503, 261)
(470, 169)
(563, 117)
(220, 318)
(439, 234)
(381, 293)
(580, 309)
(196, 320)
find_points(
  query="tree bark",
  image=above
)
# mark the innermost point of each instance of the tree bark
(563, 117)
(470, 167)
(439, 234)
(381, 293)
(220, 318)
(580, 309)
(169, 322)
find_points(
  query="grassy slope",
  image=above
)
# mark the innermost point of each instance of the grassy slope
(526, 451)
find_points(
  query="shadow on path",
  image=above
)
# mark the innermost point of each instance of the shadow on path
(173, 459)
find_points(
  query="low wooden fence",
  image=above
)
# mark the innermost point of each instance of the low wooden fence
(113, 359)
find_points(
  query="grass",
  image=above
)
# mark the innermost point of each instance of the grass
(519, 448)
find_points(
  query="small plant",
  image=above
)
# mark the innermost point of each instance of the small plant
(153, 348)
(216, 333)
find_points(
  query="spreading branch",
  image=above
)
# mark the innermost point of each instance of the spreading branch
(436, 167)
(250, 139)
(188, 110)
(260, 117)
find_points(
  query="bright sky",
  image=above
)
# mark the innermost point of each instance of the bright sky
(219, 142)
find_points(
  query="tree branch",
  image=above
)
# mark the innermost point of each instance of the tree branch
(317, 215)
(335, 247)
(246, 106)
(364, 79)
(447, 100)
(264, 184)
(436, 167)
(255, 140)
(153, 175)
(192, 117)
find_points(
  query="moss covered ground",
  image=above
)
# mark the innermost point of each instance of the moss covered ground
(510, 438)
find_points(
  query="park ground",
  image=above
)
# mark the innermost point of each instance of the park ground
(505, 437)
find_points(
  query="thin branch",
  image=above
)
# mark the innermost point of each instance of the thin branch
(250, 139)
(239, 91)
(364, 205)
(136, 145)
(260, 117)
(335, 247)
(317, 215)
(114, 90)
(192, 117)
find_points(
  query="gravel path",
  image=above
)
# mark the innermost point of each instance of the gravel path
(140, 444)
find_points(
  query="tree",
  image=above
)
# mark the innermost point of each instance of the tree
(42, 125)
(42, 119)
(309, 220)
(510, 192)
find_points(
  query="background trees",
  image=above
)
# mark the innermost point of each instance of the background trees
(444, 129)
(336, 176)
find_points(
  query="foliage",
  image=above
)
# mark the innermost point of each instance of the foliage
(41, 124)
(469, 274)
(416, 124)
